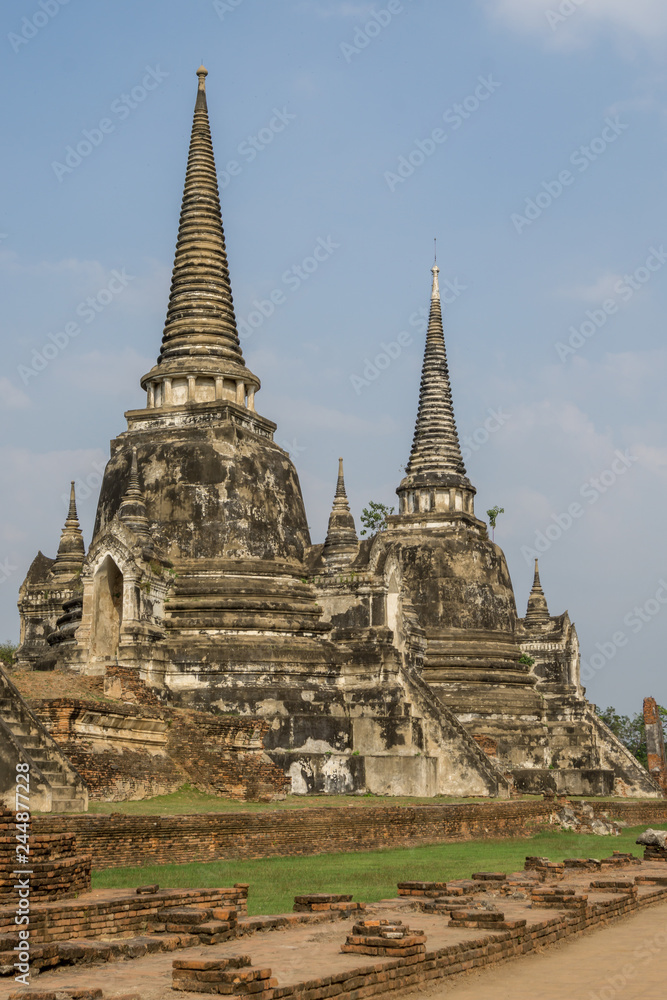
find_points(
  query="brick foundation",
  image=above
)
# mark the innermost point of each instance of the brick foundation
(112, 839)
(424, 966)
(57, 869)
(126, 914)
(487, 949)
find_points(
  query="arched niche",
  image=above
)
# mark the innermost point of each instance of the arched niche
(107, 609)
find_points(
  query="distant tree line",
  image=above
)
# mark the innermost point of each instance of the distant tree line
(7, 653)
(631, 730)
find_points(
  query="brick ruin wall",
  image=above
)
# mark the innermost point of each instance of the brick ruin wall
(319, 830)
(125, 915)
(112, 839)
(58, 868)
(645, 811)
(134, 752)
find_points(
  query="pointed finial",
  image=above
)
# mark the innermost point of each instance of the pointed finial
(71, 513)
(435, 291)
(71, 550)
(200, 103)
(341, 544)
(435, 249)
(340, 484)
(537, 612)
(132, 508)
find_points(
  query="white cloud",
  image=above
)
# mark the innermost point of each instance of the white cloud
(570, 22)
(313, 416)
(654, 459)
(602, 288)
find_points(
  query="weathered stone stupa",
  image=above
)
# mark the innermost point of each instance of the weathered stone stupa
(394, 665)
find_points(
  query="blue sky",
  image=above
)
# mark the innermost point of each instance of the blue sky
(528, 136)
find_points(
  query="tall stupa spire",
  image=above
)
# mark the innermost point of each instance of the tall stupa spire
(71, 550)
(341, 543)
(200, 340)
(435, 447)
(435, 459)
(537, 612)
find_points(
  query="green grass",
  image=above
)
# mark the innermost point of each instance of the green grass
(188, 800)
(368, 875)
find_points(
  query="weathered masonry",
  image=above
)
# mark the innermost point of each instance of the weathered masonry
(396, 664)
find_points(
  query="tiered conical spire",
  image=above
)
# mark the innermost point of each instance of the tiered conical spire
(200, 315)
(435, 447)
(537, 612)
(435, 476)
(71, 551)
(200, 339)
(341, 543)
(132, 509)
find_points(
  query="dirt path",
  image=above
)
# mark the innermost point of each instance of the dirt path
(627, 961)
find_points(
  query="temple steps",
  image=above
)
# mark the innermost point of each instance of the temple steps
(55, 786)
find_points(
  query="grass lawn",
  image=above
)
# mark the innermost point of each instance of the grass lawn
(368, 875)
(188, 800)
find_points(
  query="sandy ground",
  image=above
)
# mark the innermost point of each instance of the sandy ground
(627, 960)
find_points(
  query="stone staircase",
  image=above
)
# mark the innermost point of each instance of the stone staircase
(55, 785)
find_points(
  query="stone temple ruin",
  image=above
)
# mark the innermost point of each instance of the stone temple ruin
(397, 664)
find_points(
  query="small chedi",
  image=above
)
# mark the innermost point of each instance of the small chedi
(396, 664)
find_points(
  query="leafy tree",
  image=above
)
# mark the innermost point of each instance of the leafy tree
(7, 653)
(631, 730)
(493, 517)
(374, 517)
